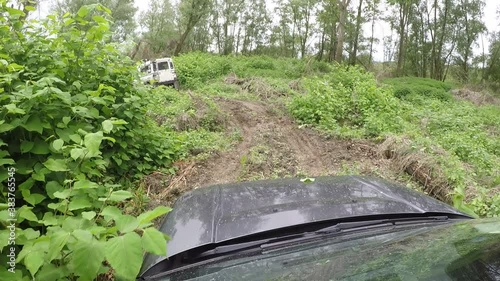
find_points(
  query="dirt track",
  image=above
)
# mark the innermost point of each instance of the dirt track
(272, 146)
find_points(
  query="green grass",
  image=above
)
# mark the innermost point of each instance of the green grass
(405, 87)
(193, 120)
(195, 70)
(461, 139)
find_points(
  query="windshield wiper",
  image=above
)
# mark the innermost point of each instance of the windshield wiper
(256, 247)
(286, 239)
(231, 248)
(380, 222)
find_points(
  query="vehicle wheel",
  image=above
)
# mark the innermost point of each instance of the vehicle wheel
(176, 85)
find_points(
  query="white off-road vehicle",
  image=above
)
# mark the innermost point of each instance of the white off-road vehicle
(159, 72)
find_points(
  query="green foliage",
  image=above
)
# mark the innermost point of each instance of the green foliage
(460, 137)
(193, 120)
(74, 127)
(347, 98)
(405, 87)
(196, 68)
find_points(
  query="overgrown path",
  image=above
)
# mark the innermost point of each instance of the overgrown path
(272, 145)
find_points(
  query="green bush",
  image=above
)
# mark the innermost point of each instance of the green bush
(196, 68)
(460, 137)
(73, 133)
(406, 86)
(260, 63)
(348, 98)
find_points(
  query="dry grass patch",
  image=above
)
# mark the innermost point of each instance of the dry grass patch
(419, 166)
(254, 85)
(476, 97)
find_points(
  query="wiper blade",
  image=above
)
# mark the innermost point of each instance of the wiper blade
(380, 222)
(232, 248)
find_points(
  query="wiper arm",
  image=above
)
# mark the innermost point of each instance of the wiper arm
(220, 250)
(367, 224)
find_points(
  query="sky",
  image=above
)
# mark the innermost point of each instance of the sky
(381, 28)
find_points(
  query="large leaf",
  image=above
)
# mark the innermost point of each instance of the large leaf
(33, 124)
(5, 127)
(32, 198)
(124, 254)
(12, 108)
(107, 126)
(153, 214)
(79, 203)
(58, 144)
(111, 213)
(89, 215)
(88, 256)
(126, 223)
(57, 241)
(51, 187)
(83, 11)
(51, 272)
(40, 147)
(25, 213)
(85, 184)
(7, 161)
(34, 261)
(92, 142)
(77, 153)
(26, 146)
(56, 165)
(154, 241)
(119, 195)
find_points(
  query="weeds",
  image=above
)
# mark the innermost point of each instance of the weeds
(450, 146)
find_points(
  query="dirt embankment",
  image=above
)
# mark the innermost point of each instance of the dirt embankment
(272, 145)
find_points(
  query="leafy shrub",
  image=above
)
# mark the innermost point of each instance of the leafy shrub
(430, 88)
(321, 66)
(73, 126)
(180, 111)
(348, 102)
(196, 68)
(348, 98)
(260, 63)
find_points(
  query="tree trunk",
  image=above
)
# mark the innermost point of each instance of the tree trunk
(371, 41)
(321, 46)
(354, 53)
(402, 36)
(438, 61)
(341, 30)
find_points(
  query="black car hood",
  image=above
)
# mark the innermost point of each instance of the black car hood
(223, 212)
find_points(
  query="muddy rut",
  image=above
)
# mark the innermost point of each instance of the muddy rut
(272, 145)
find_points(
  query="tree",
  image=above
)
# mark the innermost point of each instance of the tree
(160, 28)
(282, 35)
(469, 20)
(354, 53)
(122, 11)
(191, 12)
(301, 12)
(492, 73)
(328, 21)
(373, 14)
(255, 26)
(403, 9)
(342, 11)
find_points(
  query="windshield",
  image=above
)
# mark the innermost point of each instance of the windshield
(163, 65)
(462, 251)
